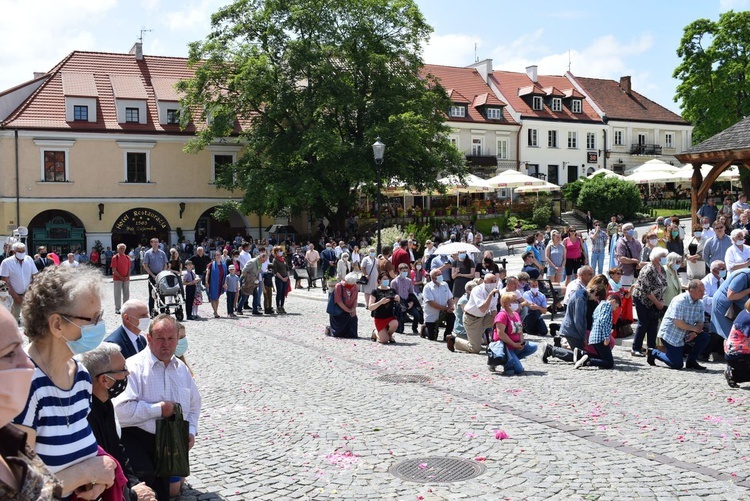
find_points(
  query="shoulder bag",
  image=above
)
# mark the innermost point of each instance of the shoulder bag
(496, 354)
(333, 308)
(172, 435)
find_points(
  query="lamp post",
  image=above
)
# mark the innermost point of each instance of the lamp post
(378, 148)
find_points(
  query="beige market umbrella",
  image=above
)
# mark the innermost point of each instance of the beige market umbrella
(513, 179)
(546, 187)
(605, 173)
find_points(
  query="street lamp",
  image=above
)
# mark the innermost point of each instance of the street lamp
(378, 149)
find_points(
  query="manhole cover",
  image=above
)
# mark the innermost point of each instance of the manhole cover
(437, 469)
(405, 378)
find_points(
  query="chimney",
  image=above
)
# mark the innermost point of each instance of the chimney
(39, 74)
(137, 49)
(531, 72)
(484, 68)
(625, 84)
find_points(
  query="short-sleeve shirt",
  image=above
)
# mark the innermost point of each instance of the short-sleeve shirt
(680, 308)
(539, 300)
(384, 310)
(19, 273)
(122, 264)
(650, 282)
(439, 293)
(63, 434)
(155, 260)
(233, 283)
(513, 325)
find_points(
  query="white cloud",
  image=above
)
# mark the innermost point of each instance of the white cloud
(194, 15)
(738, 5)
(452, 49)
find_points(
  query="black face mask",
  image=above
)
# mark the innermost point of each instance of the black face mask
(43, 254)
(118, 387)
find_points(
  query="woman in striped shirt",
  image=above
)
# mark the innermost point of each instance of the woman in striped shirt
(62, 317)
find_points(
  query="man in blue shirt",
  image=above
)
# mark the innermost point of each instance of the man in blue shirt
(709, 210)
(715, 248)
(154, 262)
(536, 302)
(682, 323)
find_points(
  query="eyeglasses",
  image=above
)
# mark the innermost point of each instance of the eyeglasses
(94, 320)
(615, 273)
(113, 372)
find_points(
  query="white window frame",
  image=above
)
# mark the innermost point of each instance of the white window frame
(552, 139)
(54, 145)
(477, 141)
(669, 140)
(590, 140)
(618, 137)
(642, 136)
(215, 154)
(502, 149)
(576, 106)
(125, 166)
(556, 104)
(494, 113)
(454, 140)
(458, 111)
(572, 140)
(537, 103)
(72, 102)
(164, 107)
(533, 138)
(131, 103)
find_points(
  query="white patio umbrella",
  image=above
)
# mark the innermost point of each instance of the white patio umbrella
(511, 178)
(470, 184)
(605, 173)
(546, 187)
(456, 247)
(656, 166)
(731, 174)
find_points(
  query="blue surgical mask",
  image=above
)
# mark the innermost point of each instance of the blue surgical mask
(675, 267)
(722, 273)
(385, 282)
(630, 233)
(698, 234)
(91, 337)
(404, 273)
(440, 279)
(182, 346)
(615, 285)
(462, 256)
(372, 254)
(663, 261)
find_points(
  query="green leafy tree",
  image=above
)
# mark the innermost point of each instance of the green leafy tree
(307, 86)
(714, 73)
(570, 191)
(603, 197)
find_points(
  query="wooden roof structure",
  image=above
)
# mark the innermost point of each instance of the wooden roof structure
(728, 147)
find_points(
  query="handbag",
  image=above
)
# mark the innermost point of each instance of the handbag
(636, 270)
(365, 278)
(496, 354)
(333, 308)
(172, 446)
(732, 312)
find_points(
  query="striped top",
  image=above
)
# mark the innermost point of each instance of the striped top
(58, 444)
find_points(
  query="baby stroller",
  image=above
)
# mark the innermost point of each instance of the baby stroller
(168, 294)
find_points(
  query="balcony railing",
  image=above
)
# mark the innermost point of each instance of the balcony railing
(645, 149)
(482, 160)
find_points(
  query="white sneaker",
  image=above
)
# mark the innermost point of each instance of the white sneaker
(577, 354)
(581, 361)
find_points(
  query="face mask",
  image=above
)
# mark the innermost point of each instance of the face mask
(91, 337)
(403, 274)
(462, 256)
(490, 287)
(675, 233)
(534, 290)
(630, 233)
(20, 256)
(118, 386)
(279, 254)
(14, 392)
(418, 267)
(514, 306)
(698, 234)
(722, 273)
(675, 267)
(739, 243)
(182, 346)
(706, 226)
(372, 254)
(385, 282)
(663, 261)
(653, 241)
(440, 279)
(143, 324)
(615, 285)
(4, 294)
(43, 255)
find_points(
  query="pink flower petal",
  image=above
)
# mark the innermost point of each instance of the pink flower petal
(501, 435)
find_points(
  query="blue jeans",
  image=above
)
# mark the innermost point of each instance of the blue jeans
(673, 356)
(514, 357)
(280, 292)
(597, 262)
(534, 324)
(256, 298)
(416, 315)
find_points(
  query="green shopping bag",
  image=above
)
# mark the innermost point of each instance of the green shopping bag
(172, 445)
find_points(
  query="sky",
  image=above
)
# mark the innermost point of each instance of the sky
(592, 38)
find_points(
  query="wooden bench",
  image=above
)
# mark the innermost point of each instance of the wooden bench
(553, 294)
(510, 243)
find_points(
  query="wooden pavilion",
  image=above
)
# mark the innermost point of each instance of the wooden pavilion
(728, 147)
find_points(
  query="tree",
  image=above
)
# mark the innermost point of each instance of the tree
(715, 73)
(605, 196)
(307, 86)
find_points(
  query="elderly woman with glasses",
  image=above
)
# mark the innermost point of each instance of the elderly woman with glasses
(62, 317)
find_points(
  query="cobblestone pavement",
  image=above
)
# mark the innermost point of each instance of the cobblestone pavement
(291, 414)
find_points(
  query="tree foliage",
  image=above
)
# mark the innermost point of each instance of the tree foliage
(306, 86)
(714, 74)
(607, 196)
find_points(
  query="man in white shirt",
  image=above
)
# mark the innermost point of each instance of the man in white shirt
(479, 315)
(156, 383)
(437, 298)
(311, 258)
(18, 271)
(711, 283)
(739, 207)
(706, 230)
(585, 274)
(135, 321)
(71, 261)
(738, 255)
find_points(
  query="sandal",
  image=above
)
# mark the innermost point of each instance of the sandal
(374, 336)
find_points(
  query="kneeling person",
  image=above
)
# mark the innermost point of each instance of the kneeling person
(478, 316)
(536, 302)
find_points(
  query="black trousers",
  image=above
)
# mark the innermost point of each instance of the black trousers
(432, 327)
(140, 447)
(189, 298)
(740, 369)
(152, 281)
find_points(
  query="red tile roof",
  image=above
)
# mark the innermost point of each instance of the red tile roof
(105, 76)
(612, 100)
(470, 85)
(511, 84)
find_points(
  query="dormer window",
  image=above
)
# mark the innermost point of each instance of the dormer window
(458, 111)
(131, 115)
(494, 113)
(556, 104)
(537, 103)
(575, 106)
(80, 113)
(173, 116)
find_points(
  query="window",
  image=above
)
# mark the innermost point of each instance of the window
(556, 104)
(454, 141)
(669, 140)
(220, 164)
(173, 116)
(476, 146)
(575, 106)
(619, 138)
(131, 115)
(552, 139)
(494, 114)
(533, 137)
(81, 113)
(502, 149)
(137, 168)
(54, 166)
(642, 139)
(537, 103)
(590, 141)
(458, 111)
(572, 139)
